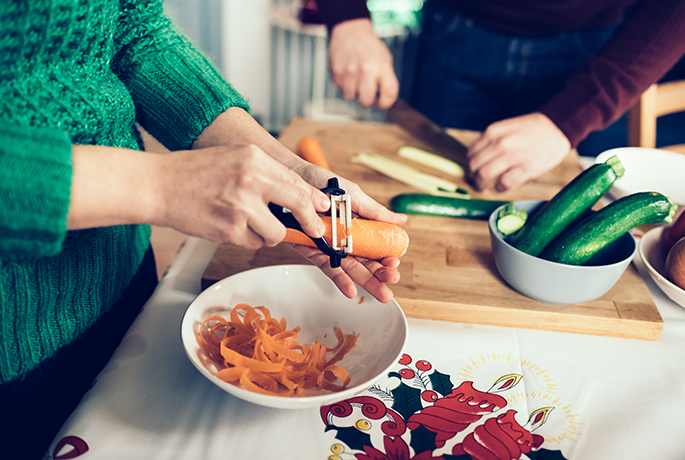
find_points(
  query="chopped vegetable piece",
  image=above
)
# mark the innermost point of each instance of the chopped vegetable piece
(510, 219)
(408, 175)
(431, 159)
(263, 356)
(310, 149)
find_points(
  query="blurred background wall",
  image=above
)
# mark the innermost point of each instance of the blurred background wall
(278, 62)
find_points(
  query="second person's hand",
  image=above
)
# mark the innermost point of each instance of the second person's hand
(514, 151)
(361, 65)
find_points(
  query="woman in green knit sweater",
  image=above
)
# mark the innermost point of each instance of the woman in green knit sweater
(77, 192)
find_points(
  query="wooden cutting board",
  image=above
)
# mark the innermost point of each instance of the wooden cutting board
(448, 272)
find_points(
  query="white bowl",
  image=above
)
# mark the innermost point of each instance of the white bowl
(654, 258)
(305, 297)
(555, 283)
(648, 170)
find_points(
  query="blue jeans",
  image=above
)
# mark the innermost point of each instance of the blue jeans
(468, 76)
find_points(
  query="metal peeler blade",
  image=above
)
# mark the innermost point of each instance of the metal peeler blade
(341, 210)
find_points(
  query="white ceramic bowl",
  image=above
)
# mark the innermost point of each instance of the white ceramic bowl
(554, 283)
(648, 170)
(305, 297)
(654, 258)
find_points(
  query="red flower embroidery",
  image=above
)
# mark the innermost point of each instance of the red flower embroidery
(395, 449)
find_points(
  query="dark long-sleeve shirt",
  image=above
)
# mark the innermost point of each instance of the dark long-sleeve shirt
(649, 41)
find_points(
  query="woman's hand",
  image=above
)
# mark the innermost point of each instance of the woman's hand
(217, 193)
(222, 194)
(372, 275)
(513, 151)
(220, 191)
(236, 127)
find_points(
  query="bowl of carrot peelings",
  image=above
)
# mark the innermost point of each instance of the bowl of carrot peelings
(285, 337)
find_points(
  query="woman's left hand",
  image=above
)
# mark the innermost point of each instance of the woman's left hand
(372, 275)
(235, 126)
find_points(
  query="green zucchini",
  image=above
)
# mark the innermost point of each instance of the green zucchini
(567, 207)
(444, 206)
(580, 243)
(510, 219)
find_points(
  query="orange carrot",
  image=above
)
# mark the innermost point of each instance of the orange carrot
(310, 149)
(370, 239)
(263, 356)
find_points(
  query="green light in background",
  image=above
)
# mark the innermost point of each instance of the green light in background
(395, 13)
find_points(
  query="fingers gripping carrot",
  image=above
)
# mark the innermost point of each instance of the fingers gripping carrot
(310, 149)
(370, 239)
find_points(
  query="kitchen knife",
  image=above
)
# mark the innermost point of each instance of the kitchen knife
(417, 124)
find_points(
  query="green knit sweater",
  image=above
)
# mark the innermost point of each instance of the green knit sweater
(81, 72)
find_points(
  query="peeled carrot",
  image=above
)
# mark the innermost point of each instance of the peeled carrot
(263, 356)
(310, 149)
(370, 239)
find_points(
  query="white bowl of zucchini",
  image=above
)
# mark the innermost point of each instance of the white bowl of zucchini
(558, 283)
(566, 253)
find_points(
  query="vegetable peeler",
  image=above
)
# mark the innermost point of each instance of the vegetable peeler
(341, 211)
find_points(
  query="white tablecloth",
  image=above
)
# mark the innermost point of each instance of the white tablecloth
(603, 397)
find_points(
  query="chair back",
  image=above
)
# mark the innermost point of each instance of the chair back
(659, 100)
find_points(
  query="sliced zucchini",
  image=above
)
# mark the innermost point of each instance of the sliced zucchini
(411, 176)
(510, 219)
(431, 159)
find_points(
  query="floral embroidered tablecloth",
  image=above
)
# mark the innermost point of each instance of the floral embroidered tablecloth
(460, 391)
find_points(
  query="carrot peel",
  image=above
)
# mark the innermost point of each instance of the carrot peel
(263, 356)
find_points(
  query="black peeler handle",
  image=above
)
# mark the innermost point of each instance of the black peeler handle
(289, 221)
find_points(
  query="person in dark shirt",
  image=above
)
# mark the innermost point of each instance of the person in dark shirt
(536, 76)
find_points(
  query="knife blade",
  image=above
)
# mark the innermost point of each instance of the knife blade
(424, 129)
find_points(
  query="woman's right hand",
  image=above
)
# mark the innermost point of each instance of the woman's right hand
(222, 195)
(218, 193)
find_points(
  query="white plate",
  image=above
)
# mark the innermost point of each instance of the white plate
(648, 170)
(654, 258)
(305, 297)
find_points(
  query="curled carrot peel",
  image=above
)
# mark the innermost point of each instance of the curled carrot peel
(263, 356)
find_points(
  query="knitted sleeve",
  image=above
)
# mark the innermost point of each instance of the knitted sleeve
(649, 42)
(176, 89)
(35, 185)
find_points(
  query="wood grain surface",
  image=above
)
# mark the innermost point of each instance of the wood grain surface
(448, 272)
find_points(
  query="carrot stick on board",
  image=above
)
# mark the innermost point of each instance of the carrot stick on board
(370, 239)
(310, 149)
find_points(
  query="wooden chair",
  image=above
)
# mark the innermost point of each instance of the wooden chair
(658, 100)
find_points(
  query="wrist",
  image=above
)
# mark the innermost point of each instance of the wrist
(353, 27)
(112, 186)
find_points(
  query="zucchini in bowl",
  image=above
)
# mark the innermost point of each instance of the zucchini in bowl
(567, 207)
(582, 242)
